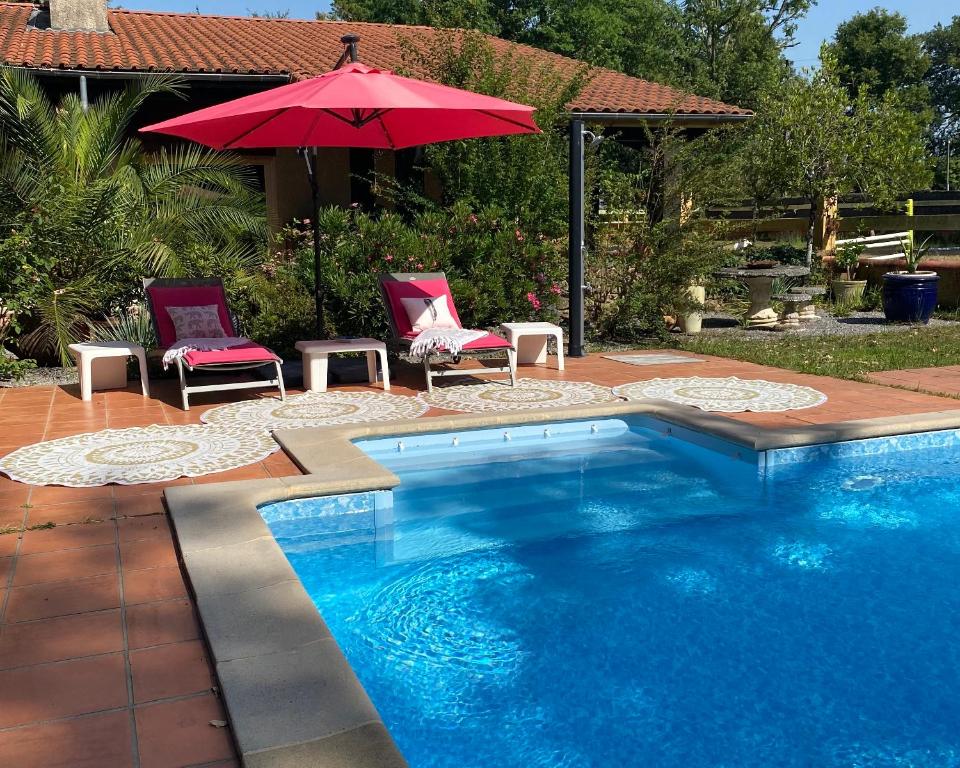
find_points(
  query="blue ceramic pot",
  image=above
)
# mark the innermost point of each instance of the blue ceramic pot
(910, 297)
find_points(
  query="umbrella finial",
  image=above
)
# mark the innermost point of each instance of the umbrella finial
(350, 52)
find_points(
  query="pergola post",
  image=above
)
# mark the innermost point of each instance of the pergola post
(576, 239)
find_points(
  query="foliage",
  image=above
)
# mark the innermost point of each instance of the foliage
(727, 49)
(524, 176)
(847, 258)
(85, 211)
(133, 324)
(943, 79)
(641, 266)
(912, 253)
(497, 271)
(735, 47)
(873, 51)
(13, 369)
(277, 305)
(812, 140)
(783, 253)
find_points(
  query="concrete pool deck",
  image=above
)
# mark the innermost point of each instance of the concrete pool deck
(101, 657)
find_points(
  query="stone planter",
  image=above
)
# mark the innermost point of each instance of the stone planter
(847, 291)
(692, 322)
(910, 297)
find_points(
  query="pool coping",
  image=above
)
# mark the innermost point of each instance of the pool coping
(290, 694)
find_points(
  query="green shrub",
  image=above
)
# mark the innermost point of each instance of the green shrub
(12, 369)
(497, 271)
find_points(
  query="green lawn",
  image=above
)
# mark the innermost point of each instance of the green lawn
(846, 357)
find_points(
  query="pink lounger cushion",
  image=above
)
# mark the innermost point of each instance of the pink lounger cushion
(416, 289)
(186, 296)
(245, 353)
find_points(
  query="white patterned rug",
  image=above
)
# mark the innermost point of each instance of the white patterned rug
(315, 409)
(529, 393)
(136, 455)
(653, 358)
(730, 395)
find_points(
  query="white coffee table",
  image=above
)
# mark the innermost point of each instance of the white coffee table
(103, 365)
(530, 342)
(316, 354)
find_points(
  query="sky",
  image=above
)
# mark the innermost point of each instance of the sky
(818, 25)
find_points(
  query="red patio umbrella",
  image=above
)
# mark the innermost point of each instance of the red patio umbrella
(354, 106)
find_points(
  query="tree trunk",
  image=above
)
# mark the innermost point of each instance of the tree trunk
(825, 231)
(811, 227)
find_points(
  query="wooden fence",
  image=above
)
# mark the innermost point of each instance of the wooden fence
(921, 211)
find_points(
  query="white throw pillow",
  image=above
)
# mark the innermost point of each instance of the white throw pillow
(429, 312)
(197, 322)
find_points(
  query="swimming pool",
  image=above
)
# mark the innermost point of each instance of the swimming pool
(604, 594)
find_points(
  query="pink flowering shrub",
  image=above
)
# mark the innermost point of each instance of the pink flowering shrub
(497, 271)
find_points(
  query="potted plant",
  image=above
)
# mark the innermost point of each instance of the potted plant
(691, 321)
(910, 295)
(849, 290)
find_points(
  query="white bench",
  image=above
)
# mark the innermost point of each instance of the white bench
(317, 353)
(879, 248)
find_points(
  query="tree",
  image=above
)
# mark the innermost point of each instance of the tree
(525, 176)
(736, 47)
(464, 14)
(728, 49)
(943, 79)
(85, 211)
(812, 140)
(873, 51)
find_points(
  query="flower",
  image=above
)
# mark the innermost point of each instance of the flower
(388, 257)
(472, 218)
(556, 289)
(306, 222)
(419, 266)
(534, 301)
(519, 235)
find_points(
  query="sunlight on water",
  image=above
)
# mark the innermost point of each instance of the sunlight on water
(654, 604)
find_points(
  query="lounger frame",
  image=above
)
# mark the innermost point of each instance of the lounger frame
(401, 346)
(182, 366)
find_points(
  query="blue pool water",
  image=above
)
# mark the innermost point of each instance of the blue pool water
(624, 598)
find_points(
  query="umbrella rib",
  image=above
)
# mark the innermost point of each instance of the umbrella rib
(230, 144)
(386, 131)
(504, 119)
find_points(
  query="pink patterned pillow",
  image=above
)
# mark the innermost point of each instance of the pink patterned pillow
(197, 322)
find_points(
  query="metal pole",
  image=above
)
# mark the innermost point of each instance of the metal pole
(948, 165)
(576, 239)
(318, 292)
(84, 100)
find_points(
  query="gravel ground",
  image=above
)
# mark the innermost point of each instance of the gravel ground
(855, 324)
(42, 376)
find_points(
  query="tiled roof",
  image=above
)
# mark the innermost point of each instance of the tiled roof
(146, 41)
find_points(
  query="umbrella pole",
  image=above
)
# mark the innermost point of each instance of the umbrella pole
(318, 292)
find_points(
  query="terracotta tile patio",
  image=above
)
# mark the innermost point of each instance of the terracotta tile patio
(937, 381)
(101, 658)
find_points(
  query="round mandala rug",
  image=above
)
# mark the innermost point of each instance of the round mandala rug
(529, 393)
(730, 395)
(315, 409)
(136, 455)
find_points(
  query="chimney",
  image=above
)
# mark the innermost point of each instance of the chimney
(79, 15)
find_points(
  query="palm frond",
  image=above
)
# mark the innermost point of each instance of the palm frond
(65, 316)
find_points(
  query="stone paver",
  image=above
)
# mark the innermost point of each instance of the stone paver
(101, 658)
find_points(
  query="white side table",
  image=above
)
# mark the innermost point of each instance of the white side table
(103, 365)
(530, 342)
(316, 354)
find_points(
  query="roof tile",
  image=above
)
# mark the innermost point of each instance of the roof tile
(191, 43)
